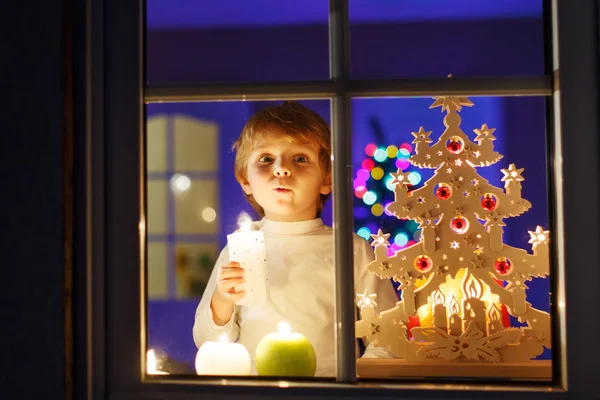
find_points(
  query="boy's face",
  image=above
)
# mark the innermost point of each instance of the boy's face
(286, 179)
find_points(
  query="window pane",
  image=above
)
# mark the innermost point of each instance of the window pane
(467, 246)
(236, 40)
(435, 38)
(194, 204)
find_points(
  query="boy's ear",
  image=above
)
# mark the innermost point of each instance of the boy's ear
(326, 185)
(246, 187)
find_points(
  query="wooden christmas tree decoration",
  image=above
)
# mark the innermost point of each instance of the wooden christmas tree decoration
(460, 273)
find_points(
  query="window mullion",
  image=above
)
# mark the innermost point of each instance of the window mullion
(339, 64)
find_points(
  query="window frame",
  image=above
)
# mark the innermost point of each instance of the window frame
(110, 203)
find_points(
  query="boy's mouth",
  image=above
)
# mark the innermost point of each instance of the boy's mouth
(282, 190)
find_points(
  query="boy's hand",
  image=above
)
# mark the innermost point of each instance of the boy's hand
(225, 296)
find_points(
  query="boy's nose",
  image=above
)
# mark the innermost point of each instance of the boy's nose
(281, 171)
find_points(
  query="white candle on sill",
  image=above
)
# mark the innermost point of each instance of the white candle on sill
(222, 358)
(248, 248)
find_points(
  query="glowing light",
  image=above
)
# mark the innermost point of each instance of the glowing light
(368, 164)
(402, 163)
(401, 239)
(377, 173)
(370, 149)
(359, 182)
(180, 183)
(388, 184)
(407, 147)
(385, 209)
(360, 191)
(363, 175)
(209, 214)
(414, 177)
(284, 327)
(370, 197)
(403, 153)
(244, 222)
(380, 155)
(391, 151)
(364, 233)
(377, 209)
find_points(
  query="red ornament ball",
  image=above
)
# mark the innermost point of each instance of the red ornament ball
(443, 192)
(459, 224)
(502, 265)
(454, 145)
(488, 202)
(423, 263)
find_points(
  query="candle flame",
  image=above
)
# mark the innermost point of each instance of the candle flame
(244, 222)
(438, 297)
(151, 364)
(453, 306)
(494, 313)
(223, 338)
(472, 287)
(284, 327)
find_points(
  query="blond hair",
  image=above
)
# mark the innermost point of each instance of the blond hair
(291, 121)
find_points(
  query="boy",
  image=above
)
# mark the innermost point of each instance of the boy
(283, 164)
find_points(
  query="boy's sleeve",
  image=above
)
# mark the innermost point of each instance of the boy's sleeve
(386, 294)
(205, 328)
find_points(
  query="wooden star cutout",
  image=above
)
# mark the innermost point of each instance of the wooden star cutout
(366, 299)
(454, 245)
(512, 174)
(494, 219)
(484, 133)
(477, 262)
(399, 177)
(449, 103)
(380, 239)
(539, 235)
(421, 136)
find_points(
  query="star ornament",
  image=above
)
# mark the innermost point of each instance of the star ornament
(539, 236)
(380, 239)
(399, 177)
(449, 103)
(484, 133)
(512, 174)
(366, 299)
(494, 219)
(421, 136)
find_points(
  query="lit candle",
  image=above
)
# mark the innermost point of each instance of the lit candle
(473, 306)
(285, 353)
(455, 325)
(440, 319)
(248, 248)
(494, 319)
(222, 358)
(151, 364)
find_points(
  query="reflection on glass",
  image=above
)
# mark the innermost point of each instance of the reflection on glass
(425, 39)
(236, 40)
(473, 280)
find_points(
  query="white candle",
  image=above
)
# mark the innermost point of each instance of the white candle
(248, 248)
(222, 358)
(151, 364)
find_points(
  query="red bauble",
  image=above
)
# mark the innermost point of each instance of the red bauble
(443, 192)
(502, 265)
(488, 202)
(454, 146)
(423, 263)
(459, 224)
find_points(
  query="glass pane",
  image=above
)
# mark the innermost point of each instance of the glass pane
(194, 208)
(455, 205)
(236, 40)
(435, 38)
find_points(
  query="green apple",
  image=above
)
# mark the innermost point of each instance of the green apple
(285, 354)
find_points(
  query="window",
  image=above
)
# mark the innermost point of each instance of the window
(347, 98)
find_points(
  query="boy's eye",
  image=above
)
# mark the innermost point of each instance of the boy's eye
(301, 158)
(265, 159)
